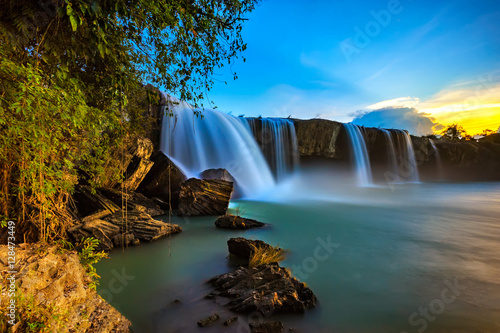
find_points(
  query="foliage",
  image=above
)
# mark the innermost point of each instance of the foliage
(265, 255)
(454, 132)
(34, 317)
(87, 254)
(71, 76)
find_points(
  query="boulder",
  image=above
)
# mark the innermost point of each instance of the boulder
(267, 289)
(243, 247)
(220, 174)
(204, 197)
(267, 327)
(163, 181)
(237, 222)
(55, 283)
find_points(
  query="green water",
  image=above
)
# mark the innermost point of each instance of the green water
(415, 258)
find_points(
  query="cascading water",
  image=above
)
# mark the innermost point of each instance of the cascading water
(391, 156)
(439, 163)
(408, 170)
(217, 140)
(359, 155)
(278, 142)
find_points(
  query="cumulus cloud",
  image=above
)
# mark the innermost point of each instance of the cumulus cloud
(416, 122)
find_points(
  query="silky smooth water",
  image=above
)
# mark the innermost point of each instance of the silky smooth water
(359, 155)
(394, 253)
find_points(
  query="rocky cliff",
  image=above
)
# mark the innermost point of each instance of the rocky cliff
(459, 160)
(53, 294)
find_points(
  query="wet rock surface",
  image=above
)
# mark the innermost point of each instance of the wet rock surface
(204, 197)
(244, 248)
(237, 222)
(267, 289)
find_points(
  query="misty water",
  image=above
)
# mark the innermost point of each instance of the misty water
(402, 258)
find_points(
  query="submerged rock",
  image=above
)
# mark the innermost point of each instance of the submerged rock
(237, 222)
(208, 321)
(55, 283)
(204, 197)
(267, 327)
(230, 321)
(268, 289)
(243, 247)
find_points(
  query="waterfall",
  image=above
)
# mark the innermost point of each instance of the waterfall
(278, 142)
(408, 170)
(359, 154)
(391, 156)
(215, 140)
(439, 163)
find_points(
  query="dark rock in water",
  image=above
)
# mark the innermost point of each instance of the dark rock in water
(268, 289)
(237, 222)
(134, 201)
(230, 321)
(267, 327)
(163, 181)
(209, 320)
(204, 197)
(219, 174)
(245, 247)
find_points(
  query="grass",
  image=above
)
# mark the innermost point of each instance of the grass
(265, 255)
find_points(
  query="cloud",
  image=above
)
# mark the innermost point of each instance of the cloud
(417, 123)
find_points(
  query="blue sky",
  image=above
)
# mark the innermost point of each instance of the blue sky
(297, 64)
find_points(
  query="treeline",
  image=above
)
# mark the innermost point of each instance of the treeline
(72, 77)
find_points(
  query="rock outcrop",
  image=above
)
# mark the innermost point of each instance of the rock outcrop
(101, 216)
(56, 288)
(317, 137)
(220, 174)
(133, 201)
(237, 222)
(163, 181)
(204, 197)
(244, 248)
(267, 289)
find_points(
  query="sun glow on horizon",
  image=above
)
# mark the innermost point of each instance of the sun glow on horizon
(475, 105)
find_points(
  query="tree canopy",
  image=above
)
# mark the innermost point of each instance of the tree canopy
(69, 73)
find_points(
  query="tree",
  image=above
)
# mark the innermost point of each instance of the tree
(69, 73)
(454, 132)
